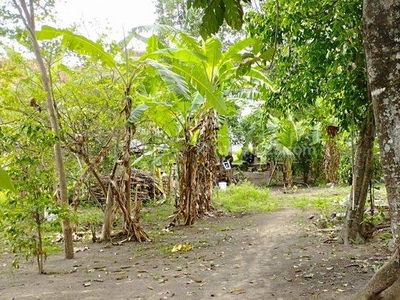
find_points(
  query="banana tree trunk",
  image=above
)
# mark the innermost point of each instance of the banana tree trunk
(197, 172)
(207, 155)
(332, 156)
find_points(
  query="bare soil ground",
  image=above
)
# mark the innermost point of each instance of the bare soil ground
(277, 255)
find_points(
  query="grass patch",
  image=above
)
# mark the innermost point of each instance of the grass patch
(245, 197)
(323, 199)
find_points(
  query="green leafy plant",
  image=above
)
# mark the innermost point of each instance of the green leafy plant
(24, 219)
(5, 181)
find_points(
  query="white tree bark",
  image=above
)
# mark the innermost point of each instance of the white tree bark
(382, 47)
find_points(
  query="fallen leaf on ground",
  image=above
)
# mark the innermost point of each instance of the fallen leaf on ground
(181, 247)
(238, 291)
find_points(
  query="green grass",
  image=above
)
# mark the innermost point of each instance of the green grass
(319, 198)
(245, 198)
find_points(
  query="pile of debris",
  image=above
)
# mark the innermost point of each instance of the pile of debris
(143, 184)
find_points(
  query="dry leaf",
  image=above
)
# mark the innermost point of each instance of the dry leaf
(238, 291)
(181, 247)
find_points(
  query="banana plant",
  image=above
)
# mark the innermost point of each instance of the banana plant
(132, 73)
(211, 75)
(196, 76)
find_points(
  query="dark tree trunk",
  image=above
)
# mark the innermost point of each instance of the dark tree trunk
(382, 47)
(188, 187)
(353, 225)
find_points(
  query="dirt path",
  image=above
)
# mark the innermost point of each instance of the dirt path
(277, 255)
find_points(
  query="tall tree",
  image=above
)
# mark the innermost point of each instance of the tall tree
(382, 48)
(129, 74)
(317, 53)
(354, 228)
(26, 13)
(381, 29)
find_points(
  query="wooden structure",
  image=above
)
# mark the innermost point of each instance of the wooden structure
(143, 184)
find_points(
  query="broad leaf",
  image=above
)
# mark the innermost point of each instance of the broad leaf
(152, 44)
(77, 43)
(234, 14)
(189, 42)
(200, 80)
(5, 181)
(185, 55)
(213, 18)
(254, 73)
(234, 50)
(287, 135)
(213, 51)
(174, 80)
(197, 102)
(223, 140)
(137, 113)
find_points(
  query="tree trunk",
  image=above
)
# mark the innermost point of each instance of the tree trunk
(132, 226)
(382, 48)
(188, 187)
(207, 169)
(197, 171)
(108, 211)
(28, 17)
(288, 172)
(352, 227)
(331, 159)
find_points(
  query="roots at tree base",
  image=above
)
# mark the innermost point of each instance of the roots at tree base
(385, 285)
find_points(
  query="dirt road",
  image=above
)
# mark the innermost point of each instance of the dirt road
(278, 255)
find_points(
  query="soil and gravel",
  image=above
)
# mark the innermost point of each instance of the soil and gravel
(276, 255)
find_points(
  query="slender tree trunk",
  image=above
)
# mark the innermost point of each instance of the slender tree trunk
(108, 211)
(28, 17)
(331, 158)
(287, 170)
(132, 226)
(188, 186)
(352, 227)
(382, 47)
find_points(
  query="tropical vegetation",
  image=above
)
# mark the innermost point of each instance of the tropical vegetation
(77, 113)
